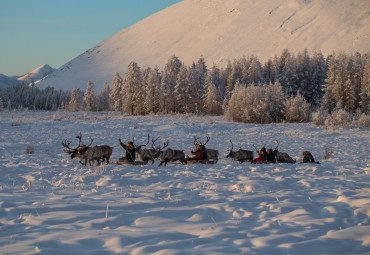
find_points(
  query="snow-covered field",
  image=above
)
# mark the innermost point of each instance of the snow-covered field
(50, 204)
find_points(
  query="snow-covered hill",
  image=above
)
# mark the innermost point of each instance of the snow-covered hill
(220, 31)
(6, 81)
(36, 74)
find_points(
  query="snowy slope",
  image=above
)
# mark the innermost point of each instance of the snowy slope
(37, 74)
(50, 204)
(220, 31)
(6, 81)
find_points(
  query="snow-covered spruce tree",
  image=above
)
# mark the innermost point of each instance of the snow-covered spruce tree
(171, 70)
(213, 102)
(289, 75)
(90, 98)
(152, 94)
(254, 72)
(318, 77)
(297, 109)
(76, 101)
(202, 71)
(181, 90)
(234, 76)
(103, 98)
(131, 89)
(116, 100)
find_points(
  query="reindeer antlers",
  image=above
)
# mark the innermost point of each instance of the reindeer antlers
(232, 145)
(198, 142)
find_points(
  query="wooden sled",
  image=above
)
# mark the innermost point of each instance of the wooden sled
(192, 162)
(136, 163)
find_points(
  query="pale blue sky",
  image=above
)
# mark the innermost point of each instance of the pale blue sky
(36, 32)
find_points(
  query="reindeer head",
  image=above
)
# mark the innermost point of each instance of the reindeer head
(158, 149)
(76, 152)
(231, 152)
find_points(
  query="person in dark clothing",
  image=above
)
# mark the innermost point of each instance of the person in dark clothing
(270, 156)
(307, 157)
(130, 151)
(262, 156)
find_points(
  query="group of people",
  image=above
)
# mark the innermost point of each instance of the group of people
(269, 157)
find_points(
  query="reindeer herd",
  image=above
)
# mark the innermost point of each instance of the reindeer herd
(100, 153)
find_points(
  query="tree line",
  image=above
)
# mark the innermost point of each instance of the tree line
(284, 88)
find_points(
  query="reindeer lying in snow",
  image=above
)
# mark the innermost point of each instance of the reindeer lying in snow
(240, 155)
(88, 153)
(146, 154)
(168, 155)
(279, 157)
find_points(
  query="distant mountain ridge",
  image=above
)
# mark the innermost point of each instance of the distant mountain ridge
(221, 31)
(33, 76)
(36, 74)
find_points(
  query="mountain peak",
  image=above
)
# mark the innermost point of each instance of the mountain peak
(221, 31)
(37, 74)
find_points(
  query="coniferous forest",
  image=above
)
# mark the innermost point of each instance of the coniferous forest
(289, 87)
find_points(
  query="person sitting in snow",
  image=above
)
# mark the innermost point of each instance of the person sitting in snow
(262, 156)
(199, 153)
(270, 156)
(307, 158)
(130, 151)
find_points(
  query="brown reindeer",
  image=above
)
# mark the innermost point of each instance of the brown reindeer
(240, 155)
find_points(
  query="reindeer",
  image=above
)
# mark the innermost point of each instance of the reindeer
(145, 154)
(88, 153)
(210, 154)
(281, 157)
(240, 155)
(169, 154)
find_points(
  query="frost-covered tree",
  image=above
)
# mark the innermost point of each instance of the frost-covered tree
(181, 90)
(103, 98)
(254, 72)
(235, 108)
(213, 103)
(256, 103)
(297, 109)
(90, 97)
(76, 101)
(234, 76)
(131, 89)
(153, 95)
(169, 79)
(116, 99)
(318, 77)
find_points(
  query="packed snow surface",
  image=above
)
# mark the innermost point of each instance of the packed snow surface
(50, 204)
(221, 31)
